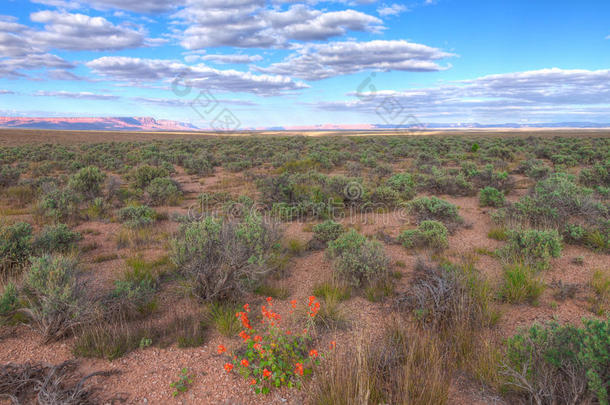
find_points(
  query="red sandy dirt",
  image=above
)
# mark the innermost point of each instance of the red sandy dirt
(145, 374)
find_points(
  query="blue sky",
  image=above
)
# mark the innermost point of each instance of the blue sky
(290, 63)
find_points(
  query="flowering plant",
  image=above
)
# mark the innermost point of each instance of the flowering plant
(273, 356)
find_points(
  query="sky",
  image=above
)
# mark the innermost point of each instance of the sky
(290, 63)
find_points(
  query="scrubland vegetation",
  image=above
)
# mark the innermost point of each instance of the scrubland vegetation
(331, 270)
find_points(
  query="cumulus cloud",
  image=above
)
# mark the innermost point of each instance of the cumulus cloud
(249, 24)
(321, 61)
(139, 6)
(228, 58)
(85, 95)
(198, 76)
(181, 102)
(553, 93)
(393, 9)
(81, 32)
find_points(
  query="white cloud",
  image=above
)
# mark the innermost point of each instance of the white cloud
(320, 61)
(232, 58)
(81, 32)
(139, 6)
(249, 24)
(199, 76)
(391, 10)
(556, 94)
(85, 95)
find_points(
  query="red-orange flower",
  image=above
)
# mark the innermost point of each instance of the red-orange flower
(247, 307)
(269, 299)
(333, 344)
(266, 373)
(253, 382)
(257, 346)
(258, 338)
(228, 367)
(311, 299)
(244, 335)
(221, 349)
(313, 353)
(293, 303)
(298, 369)
(245, 363)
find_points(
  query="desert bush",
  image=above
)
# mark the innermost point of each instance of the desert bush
(553, 201)
(22, 194)
(162, 191)
(433, 208)
(404, 184)
(491, 197)
(88, 182)
(59, 205)
(56, 239)
(358, 260)
(15, 245)
(598, 175)
(200, 165)
(55, 299)
(143, 175)
(137, 216)
(327, 231)
(520, 285)
(224, 258)
(532, 247)
(405, 366)
(452, 299)
(440, 181)
(9, 301)
(386, 196)
(431, 234)
(9, 176)
(600, 284)
(560, 364)
(574, 233)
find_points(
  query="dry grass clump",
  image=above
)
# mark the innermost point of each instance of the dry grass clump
(405, 366)
(47, 385)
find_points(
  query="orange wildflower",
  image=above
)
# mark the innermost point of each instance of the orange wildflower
(258, 338)
(245, 363)
(247, 307)
(313, 353)
(293, 303)
(221, 349)
(333, 344)
(298, 369)
(266, 373)
(253, 382)
(228, 367)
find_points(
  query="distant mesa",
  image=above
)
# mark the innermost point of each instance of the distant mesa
(96, 123)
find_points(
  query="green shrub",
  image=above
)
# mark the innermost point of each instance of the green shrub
(404, 184)
(224, 258)
(9, 176)
(56, 238)
(143, 175)
(59, 205)
(491, 197)
(431, 234)
(15, 245)
(533, 247)
(385, 195)
(574, 233)
(358, 260)
(9, 300)
(200, 165)
(55, 299)
(88, 182)
(162, 191)
(561, 364)
(328, 231)
(520, 285)
(137, 216)
(433, 208)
